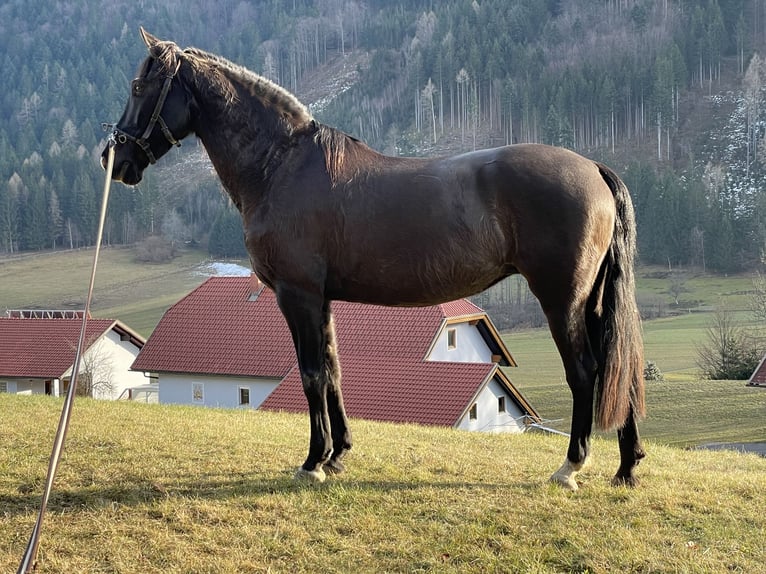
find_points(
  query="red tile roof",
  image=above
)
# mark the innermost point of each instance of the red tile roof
(387, 389)
(45, 348)
(460, 308)
(216, 329)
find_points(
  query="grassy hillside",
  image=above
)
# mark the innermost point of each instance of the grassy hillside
(152, 488)
(136, 293)
(683, 410)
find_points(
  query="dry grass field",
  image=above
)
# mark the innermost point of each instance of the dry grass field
(168, 489)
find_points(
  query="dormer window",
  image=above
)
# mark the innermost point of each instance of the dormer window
(451, 338)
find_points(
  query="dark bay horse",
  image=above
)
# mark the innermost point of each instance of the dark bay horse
(327, 218)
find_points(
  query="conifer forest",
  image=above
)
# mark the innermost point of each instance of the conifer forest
(670, 93)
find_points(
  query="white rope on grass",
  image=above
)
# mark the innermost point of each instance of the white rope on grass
(29, 561)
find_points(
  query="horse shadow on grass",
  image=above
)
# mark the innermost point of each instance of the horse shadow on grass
(145, 492)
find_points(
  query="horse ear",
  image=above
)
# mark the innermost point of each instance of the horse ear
(149, 40)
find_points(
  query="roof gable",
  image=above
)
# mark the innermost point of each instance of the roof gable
(45, 347)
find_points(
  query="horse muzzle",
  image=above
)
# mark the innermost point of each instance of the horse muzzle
(125, 170)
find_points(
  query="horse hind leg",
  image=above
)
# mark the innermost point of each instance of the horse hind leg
(580, 368)
(631, 452)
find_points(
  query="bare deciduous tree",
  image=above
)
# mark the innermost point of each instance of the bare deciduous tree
(758, 300)
(728, 352)
(428, 97)
(97, 372)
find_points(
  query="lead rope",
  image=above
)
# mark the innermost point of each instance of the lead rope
(29, 561)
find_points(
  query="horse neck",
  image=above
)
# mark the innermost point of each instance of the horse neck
(242, 134)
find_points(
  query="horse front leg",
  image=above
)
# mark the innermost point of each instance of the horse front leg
(306, 317)
(631, 452)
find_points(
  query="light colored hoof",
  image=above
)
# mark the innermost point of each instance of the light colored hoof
(565, 476)
(564, 481)
(317, 476)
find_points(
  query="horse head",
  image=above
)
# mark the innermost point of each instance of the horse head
(157, 116)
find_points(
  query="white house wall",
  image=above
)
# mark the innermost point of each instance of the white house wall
(216, 391)
(120, 355)
(24, 386)
(470, 346)
(488, 419)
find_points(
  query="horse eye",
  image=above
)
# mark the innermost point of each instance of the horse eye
(138, 89)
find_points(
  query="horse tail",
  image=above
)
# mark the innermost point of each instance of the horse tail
(617, 337)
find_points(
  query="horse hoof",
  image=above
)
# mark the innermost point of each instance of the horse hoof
(316, 476)
(334, 467)
(567, 482)
(629, 481)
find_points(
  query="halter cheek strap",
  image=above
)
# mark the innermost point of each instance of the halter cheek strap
(122, 136)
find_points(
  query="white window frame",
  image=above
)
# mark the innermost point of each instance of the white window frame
(452, 338)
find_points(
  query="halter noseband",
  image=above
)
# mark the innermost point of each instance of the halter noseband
(121, 136)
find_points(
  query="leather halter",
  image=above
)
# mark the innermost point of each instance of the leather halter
(121, 136)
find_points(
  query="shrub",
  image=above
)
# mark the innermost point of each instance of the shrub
(652, 372)
(155, 249)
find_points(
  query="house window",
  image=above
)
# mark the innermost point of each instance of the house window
(501, 404)
(3, 387)
(472, 413)
(244, 396)
(451, 338)
(198, 393)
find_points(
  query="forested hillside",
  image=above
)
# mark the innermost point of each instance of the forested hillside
(670, 93)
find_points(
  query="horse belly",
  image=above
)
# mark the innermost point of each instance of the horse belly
(418, 274)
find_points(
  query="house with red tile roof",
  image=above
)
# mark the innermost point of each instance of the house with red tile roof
(226, 344)
(37, 352)
(758, 378)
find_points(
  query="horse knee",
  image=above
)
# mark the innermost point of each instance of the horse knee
(313, 383)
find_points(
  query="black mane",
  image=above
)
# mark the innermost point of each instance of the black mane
(223, 72)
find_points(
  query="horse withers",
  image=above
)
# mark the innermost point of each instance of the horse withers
(327, 218)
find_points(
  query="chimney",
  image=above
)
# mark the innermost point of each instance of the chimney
(255, 287)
